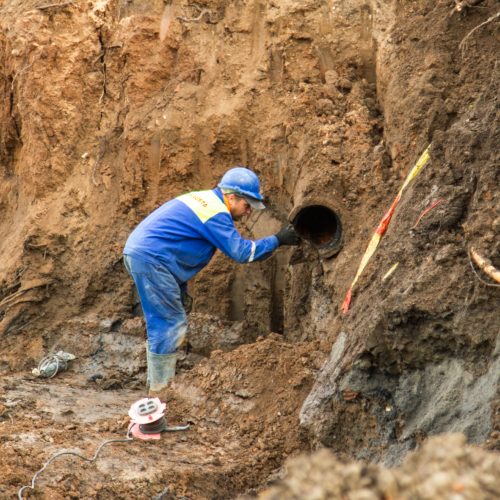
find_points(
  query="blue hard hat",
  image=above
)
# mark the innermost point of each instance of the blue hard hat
(242, 181)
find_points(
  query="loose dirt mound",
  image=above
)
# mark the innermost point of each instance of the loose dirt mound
(444, 468)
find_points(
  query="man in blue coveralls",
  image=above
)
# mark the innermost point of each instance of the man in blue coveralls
(174, 243)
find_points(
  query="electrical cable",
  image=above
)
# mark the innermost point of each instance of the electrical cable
(47, 362)
(52, 364)
(76, 454)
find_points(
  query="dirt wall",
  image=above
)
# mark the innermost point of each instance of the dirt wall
(411, 360)
(97, 135)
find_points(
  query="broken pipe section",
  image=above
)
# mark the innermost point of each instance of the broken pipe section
(318, 221)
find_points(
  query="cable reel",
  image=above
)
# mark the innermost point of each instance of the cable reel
(148, 419)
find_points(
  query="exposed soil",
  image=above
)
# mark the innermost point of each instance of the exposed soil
(241, 406)
(110, 107)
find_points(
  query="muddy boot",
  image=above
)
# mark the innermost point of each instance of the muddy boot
(161, 369)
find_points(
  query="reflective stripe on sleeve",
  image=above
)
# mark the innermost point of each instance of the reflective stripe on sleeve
(204, 204)
(252, 253)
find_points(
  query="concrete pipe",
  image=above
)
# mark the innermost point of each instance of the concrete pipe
(319, 222)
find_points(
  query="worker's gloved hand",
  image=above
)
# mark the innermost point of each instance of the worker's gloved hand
(287, 235)
(187, 302)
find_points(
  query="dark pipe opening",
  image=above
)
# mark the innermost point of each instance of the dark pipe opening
(321, 226)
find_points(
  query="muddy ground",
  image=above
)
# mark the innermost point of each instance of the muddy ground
(108, 108)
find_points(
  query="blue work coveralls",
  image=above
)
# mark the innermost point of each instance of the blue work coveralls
(170, 246)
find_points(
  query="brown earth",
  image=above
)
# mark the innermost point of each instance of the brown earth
(110, 107)
(443, 468)
(241, 406)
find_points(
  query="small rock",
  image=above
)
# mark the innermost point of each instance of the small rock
(370, 103)
(445, 253)
(490, 237)
(324, 107)
(363, 364)
(450, 105)
(331, 77)
(243, 393)
(344, 84)
(105, 325)
(104, 427)
(111, 383)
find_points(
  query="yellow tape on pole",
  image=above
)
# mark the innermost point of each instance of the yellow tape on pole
(382, 227)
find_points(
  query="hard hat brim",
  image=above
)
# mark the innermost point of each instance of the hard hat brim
(255, 204)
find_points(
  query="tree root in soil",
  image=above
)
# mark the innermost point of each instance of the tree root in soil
(14, 298)
(485, 266)
(55, 6)
(489, 20)
(460, 5)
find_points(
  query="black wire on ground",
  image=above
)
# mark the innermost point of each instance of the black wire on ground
(76, 454)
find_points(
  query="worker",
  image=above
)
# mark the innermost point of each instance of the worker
(174, 243)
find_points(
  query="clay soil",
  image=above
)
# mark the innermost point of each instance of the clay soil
(241, 406)
(108, 108)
